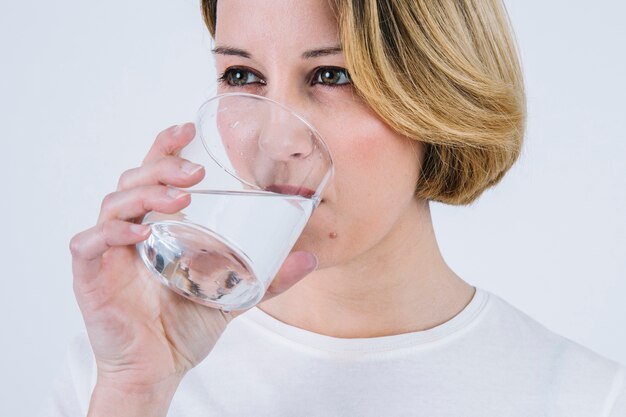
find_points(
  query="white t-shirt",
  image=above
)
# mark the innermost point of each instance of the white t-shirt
(491, 360)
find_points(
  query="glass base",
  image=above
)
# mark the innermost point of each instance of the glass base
(200, 265)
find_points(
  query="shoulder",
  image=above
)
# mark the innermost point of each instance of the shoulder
(572, 371)
(516, 325)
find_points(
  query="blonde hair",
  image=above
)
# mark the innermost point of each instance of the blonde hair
(442, 72)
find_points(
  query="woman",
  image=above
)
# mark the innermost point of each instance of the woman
(417, 101)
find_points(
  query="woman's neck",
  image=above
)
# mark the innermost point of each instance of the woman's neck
(400, 285)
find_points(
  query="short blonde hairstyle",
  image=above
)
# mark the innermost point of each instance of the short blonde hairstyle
(442, 72)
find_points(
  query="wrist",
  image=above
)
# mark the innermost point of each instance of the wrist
(117, 398)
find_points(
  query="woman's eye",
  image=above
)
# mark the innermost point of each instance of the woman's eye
(331, 76)
(238, 77)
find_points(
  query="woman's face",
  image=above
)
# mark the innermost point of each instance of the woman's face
(289, 51)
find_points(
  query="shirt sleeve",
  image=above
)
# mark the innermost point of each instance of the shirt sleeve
(616, 402)
(70, 393)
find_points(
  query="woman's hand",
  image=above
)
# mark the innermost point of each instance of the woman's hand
(144, 336)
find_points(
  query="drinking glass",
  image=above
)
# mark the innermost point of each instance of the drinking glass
(266, 168)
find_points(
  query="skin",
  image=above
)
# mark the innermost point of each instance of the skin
(380, 269)
(364, 270)
(145, 337)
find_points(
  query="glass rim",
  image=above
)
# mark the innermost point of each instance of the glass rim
(330, 172)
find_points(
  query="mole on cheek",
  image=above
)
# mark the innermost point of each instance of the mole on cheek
(332, 235)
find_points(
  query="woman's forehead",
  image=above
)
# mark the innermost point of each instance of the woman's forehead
(273, 23)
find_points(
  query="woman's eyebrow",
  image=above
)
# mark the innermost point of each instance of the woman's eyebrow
(314, 53)
(227, 50)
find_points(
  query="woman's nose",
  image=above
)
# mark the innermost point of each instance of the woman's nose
(284, 136)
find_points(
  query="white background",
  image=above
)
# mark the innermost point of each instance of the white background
(86, 85)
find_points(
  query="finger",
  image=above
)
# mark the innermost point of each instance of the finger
(170, 142)
(170, 170)
(137, 202)
(88, 246)
(296, 266)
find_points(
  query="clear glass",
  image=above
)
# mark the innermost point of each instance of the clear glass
(266, 168)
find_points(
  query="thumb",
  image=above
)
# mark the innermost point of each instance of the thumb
(296, 266)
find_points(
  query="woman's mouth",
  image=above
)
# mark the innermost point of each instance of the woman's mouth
(291, 190)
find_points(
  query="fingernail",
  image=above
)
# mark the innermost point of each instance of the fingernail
(140, 229)
(175, 194)
(177, 130)
(312, 262)
(190, 168)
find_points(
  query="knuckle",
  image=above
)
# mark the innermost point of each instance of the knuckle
(76, 248)
(164, 167)
(163, 140)
(150, 199)
(107, 200)
(106, 230)
(125, 179)
(173, 161)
